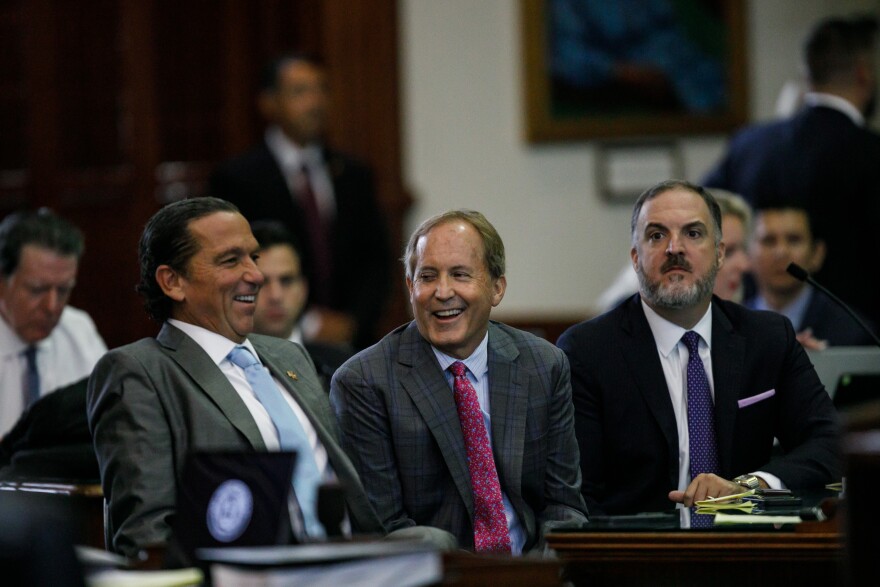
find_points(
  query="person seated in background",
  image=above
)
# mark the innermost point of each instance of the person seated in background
(207, 383)
(784, 235)
(456, 422)
(45, 344)
(283, 297)
(730, 284)
(679, 394)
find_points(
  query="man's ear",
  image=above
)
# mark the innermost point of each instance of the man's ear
(171, 282)
(817, 257)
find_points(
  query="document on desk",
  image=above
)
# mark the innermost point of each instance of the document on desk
(736, 501)
(721, 519)
(189, 577)
(405, 570)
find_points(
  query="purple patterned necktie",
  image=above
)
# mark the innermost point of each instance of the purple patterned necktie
(701, 412)
(490, 522)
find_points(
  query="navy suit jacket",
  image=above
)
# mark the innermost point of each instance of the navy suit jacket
(830, 322)
(625, 422)
(400, 427)
(361, 256)
(822, 161)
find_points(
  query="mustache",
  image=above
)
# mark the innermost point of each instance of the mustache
(675, 261)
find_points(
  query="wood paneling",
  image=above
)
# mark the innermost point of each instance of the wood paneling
(110, 108)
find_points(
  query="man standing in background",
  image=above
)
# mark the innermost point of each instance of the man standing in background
(326, 199)
(823, 159)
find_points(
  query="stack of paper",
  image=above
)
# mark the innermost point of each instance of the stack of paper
(736, 501)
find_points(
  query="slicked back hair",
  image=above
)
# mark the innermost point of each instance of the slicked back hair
(167, 240)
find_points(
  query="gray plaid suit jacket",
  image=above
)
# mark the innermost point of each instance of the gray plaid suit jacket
(153, 401)
(401, 429)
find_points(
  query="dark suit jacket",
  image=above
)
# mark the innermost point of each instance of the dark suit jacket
(626, 426)
(819, 160)
(401, 428)
(327, 358)
(360, 251)
(51, 440)
(830, 322)
(152, 402)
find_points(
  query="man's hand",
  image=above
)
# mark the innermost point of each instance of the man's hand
(704, 486)
(810, 342)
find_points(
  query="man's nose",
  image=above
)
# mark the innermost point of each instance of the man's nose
(252, 273)
(444, 289)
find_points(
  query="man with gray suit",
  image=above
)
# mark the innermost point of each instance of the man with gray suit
(457, 422)
(152, 402)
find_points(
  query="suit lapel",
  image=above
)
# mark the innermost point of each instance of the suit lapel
(191, 358)
(728, 356)
(640, 357)
(508, 407)
(426, 385)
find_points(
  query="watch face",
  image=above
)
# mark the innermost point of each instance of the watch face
(749, 481)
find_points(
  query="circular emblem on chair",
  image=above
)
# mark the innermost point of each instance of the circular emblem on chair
(230, 510)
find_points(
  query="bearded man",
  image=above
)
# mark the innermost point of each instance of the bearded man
(679, 394)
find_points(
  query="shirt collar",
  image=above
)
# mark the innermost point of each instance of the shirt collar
(794, 311)
(216, 345)
(477, 363)
(667, 334)
(835, 103)
(289, 155)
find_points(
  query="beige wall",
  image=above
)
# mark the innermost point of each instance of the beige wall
(463, 146)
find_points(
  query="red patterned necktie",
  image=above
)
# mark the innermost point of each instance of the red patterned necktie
(490, 522)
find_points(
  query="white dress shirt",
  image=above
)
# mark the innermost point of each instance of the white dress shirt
(674, 357)
(835, 103)
(67, 355)
(218, 348)
(478, 374)
(291, 158)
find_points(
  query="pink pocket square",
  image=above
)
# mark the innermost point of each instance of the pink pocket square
(747, 401)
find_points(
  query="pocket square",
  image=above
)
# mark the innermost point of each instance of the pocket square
(747, 401)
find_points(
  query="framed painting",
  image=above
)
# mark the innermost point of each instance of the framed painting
(629, 68)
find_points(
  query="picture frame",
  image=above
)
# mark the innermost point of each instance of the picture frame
(595, 69)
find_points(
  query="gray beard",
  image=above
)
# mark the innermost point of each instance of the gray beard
(676, 296)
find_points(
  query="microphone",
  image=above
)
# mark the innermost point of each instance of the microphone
(801, 274)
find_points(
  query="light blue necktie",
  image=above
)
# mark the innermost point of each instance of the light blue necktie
(291, 435)
(31, 377)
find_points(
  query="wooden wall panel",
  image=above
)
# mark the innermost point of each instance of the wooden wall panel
(110, 108)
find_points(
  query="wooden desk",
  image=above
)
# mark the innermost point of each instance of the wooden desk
(83, 504)
(719, 559)
(468, 570)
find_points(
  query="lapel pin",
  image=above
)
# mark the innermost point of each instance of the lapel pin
(292, 375)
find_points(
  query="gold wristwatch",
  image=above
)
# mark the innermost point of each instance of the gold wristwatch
(748, 481)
